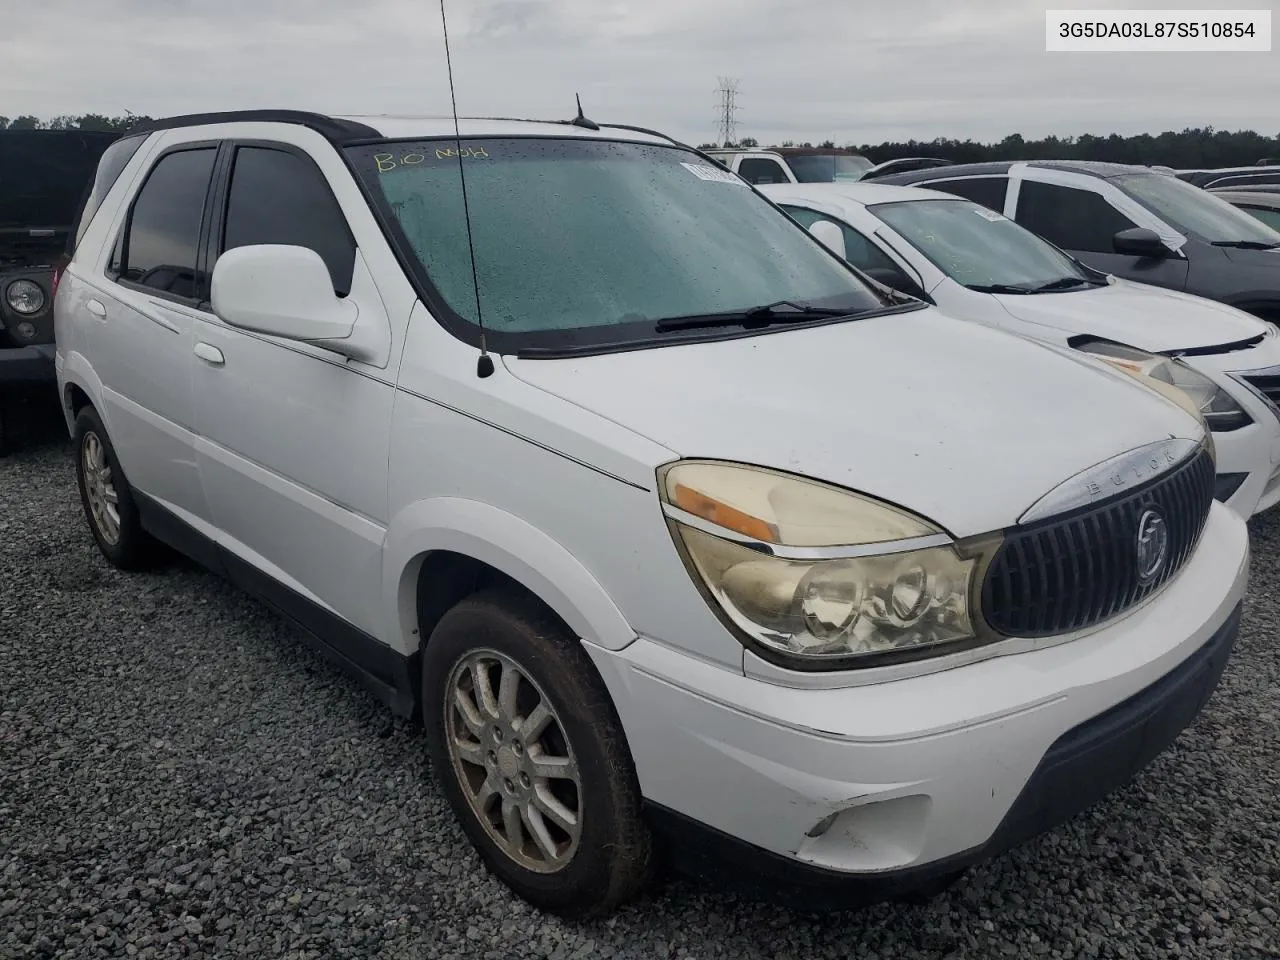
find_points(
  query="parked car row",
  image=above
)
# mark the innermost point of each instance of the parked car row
(812, 164)
(1261, 201)
(1131, 222)
(1264, 172)
(566, 439)
(976, 264)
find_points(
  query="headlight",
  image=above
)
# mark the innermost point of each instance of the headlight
(817, 576)
(25, 297)
(1186, 386)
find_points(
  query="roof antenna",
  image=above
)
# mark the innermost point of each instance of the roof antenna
(580, 120)
(484, 366)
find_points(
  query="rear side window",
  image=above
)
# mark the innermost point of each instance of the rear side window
(162, 239)
(280, 197)
(762, 170)
(988, 191)
(1071, 218)
(110, 166)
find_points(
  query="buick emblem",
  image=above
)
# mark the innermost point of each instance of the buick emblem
(1153, 544)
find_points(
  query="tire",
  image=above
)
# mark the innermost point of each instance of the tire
(124, 543)
(6, 439)
(609, 859)
(928, 892)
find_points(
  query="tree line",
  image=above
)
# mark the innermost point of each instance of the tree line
(89, 121)
(1189, 148)
(1193, 147)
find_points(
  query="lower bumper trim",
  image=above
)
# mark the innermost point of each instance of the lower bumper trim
(27, 364)
(1084, 765)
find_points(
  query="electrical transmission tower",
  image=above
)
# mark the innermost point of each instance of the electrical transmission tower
(727, 109)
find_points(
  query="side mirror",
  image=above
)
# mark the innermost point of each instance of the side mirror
(830, 235)
(896, 280)
(284, 291)
(1139, 242)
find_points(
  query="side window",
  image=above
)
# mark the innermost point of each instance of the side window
(762, 170)
(988, 191)
(1073, 219)
(110, 165)
(858, 248)
(280, 197)
(160, 243)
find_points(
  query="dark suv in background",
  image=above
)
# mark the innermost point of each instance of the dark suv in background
(44, 175)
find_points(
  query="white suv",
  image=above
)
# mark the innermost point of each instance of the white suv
(676, 528)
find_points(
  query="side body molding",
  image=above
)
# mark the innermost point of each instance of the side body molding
(505, 542)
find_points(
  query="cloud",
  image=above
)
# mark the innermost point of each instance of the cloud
(808, 69)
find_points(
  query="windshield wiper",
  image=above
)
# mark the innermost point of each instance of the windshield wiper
(997, 288)
(1066, 283)
(1246, 244)
(762, 315)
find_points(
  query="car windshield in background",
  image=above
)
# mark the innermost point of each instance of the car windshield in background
(1196, 211)
(590, 242)
(827, 167)
(979, 248)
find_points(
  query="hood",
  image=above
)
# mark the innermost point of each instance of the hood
(1143, 316)
(44, 174)
(964, 424)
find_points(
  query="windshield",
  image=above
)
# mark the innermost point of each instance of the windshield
(827, 167)
(1195, 211)
(581, 242)
(975, 246)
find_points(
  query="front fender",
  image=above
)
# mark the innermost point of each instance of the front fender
(504, 542)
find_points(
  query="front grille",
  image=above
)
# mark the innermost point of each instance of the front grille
(1081, 568)
(1268, 384)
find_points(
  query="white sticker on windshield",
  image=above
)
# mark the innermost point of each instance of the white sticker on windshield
(704, 171)
(987, 214)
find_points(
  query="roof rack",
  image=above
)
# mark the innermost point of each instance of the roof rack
(334, 130)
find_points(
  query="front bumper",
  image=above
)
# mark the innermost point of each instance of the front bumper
(1080, 768)
(27, 364)
(866, 790)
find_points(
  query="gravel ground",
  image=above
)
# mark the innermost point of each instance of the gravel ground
(180, 777)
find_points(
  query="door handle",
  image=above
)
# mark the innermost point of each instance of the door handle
(97, 309)
(209, 353)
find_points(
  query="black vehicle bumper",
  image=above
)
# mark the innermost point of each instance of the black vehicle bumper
(32, 364)
(1083, 766)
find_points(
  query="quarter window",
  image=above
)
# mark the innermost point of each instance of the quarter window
(162, 240)
(112, 163)
(278, 197)
(1072, 219)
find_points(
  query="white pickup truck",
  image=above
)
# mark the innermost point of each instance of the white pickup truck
(812, 164)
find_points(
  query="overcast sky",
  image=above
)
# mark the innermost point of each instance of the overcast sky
(859, 71)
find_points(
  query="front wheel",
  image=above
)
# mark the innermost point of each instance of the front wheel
(531, 756)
